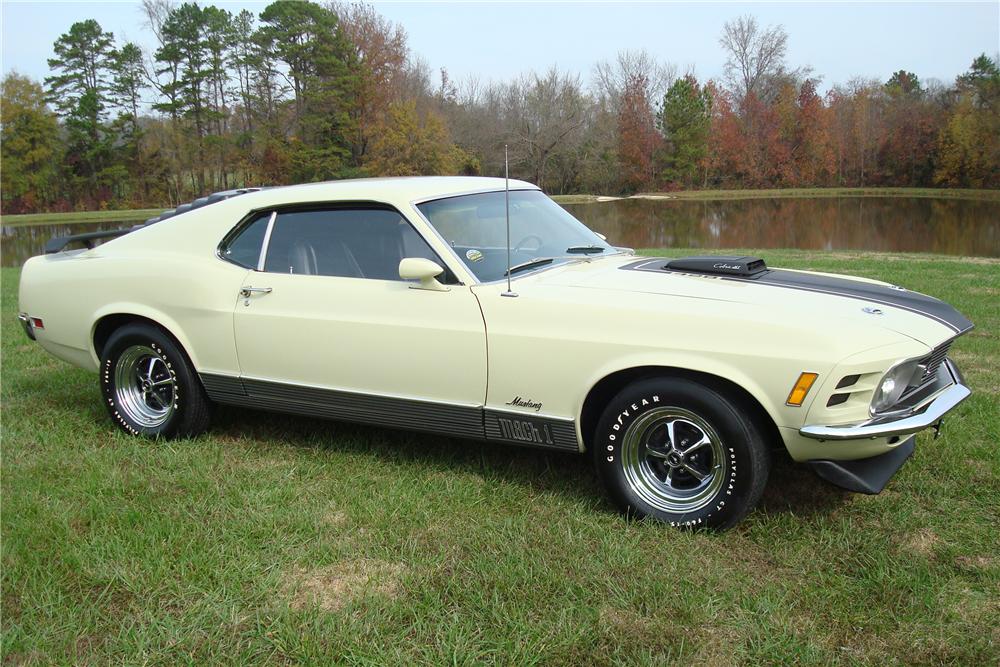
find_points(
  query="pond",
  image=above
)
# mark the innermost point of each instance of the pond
(885, 224)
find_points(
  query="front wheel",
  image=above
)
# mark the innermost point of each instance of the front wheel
(149, 387)
(682, 453)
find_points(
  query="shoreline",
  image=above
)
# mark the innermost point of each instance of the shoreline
(790, 193)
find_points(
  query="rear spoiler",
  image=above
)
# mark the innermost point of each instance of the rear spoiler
(59, 243)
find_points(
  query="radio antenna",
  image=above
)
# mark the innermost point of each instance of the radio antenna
(506, 206)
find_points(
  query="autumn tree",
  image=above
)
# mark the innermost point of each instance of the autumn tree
(410, 145)
(638, 140)
(811, 150)
(969, 148)
(29, 146)
(626, 89)
(382, 60)
(911, 125)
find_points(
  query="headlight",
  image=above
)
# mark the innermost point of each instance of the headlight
(892, 386)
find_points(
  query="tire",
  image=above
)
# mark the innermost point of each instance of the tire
(710, 475)
(149, 386)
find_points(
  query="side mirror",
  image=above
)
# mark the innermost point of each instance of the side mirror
(424, 270)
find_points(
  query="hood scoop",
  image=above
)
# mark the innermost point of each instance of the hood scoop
(718, 265)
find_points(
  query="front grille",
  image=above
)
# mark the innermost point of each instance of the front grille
(933, 362)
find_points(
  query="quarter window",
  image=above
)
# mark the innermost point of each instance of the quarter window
(346, 242)
(244, 248)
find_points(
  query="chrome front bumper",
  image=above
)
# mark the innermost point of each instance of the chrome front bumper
(923, 417)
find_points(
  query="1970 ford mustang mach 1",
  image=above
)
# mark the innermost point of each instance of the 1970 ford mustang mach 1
(390, 302)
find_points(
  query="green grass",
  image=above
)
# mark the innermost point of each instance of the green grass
(76, 217)
(284, 540)
(784, 193)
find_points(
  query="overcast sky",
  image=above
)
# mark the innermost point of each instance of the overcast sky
(498, 40)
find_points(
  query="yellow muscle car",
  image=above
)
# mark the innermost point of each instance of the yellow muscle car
(460, 307)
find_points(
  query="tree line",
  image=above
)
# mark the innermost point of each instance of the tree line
(305, 92)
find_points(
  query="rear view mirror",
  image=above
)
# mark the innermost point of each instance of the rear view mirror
(424, 270)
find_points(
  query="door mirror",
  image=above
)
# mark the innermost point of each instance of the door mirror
(424, 270)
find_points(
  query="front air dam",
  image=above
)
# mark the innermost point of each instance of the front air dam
(865, 475)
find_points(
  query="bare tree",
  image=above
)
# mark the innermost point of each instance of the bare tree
(611, 79)
(756, 55)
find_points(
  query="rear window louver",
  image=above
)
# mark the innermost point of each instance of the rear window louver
(90, 239)
(198, 203)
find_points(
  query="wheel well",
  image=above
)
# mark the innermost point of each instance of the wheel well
(108, 324)
(609, 386)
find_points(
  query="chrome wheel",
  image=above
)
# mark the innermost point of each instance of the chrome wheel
(145, 388)
(673, 459)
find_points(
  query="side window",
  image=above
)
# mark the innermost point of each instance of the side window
(352, 243)
(244, 247)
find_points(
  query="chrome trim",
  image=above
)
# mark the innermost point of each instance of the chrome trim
(245, 292)
(267, 241)
(523, 413)
(878, 385)
(928, 415)
(470, 276)
(25, 321)
(475, 280)
(910, 390)
(415, 203)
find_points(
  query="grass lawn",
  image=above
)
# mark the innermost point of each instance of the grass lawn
(810, 193)
(288, 540)
(76, 217)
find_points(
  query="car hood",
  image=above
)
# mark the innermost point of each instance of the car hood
(782, 293)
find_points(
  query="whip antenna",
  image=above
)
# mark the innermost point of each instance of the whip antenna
(506, 206)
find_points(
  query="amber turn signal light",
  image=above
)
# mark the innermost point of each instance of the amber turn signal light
(801, 388)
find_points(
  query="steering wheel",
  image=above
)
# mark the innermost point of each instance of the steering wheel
(530, 237)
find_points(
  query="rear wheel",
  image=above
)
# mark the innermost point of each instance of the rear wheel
(149, 387)
(679, 452)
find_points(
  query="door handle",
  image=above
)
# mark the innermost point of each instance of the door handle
(245, 292)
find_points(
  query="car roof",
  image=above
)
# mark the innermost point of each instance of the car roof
(409, 188)
(396, 190)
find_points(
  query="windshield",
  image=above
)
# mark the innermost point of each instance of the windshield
(542, 233)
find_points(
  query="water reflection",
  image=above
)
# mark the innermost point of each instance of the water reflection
(21, 242)
(887, 224)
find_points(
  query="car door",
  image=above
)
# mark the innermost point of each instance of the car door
(326, 326)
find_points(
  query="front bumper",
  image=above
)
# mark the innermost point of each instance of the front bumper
(924, 416)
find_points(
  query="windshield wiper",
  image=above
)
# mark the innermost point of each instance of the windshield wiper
(530, 264)
(584, 249)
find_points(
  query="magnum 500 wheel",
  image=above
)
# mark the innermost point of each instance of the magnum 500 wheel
(679, 452)
(149, 386)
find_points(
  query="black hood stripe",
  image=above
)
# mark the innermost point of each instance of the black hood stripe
(913, 302)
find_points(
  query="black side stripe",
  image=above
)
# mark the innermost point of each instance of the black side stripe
(458, 421)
